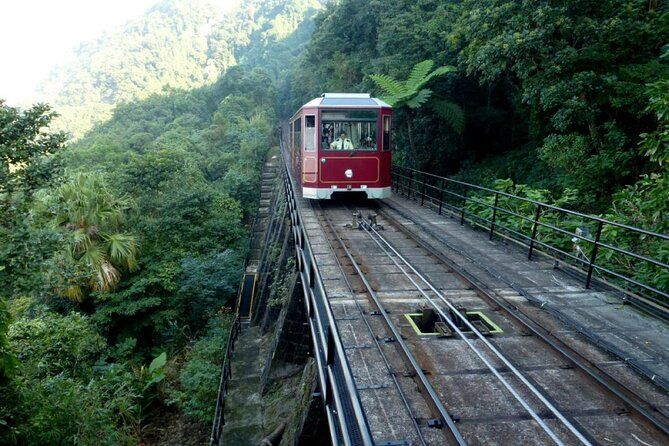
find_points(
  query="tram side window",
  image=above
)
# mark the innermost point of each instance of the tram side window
(349, 130)
(290, 137)
(386, 133)
(310, 133)
(297, 134)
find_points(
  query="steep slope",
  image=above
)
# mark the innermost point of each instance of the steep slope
(176, 44)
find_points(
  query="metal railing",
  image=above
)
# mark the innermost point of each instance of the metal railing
(346, 418)
(536, 225)
(226, 374)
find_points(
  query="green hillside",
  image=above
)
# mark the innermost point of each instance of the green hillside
(177, 44)
(119, 252)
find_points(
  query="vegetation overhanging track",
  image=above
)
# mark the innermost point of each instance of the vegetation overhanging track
(428, 392)
(380, 241)
(629, 397)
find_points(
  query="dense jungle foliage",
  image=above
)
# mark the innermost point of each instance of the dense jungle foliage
(545, 87)
(120, 249)
(564, 102)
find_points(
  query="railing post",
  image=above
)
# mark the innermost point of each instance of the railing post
(494, 215)
(410, 184)
(464, 205)
(593, 255)
(534, 231)
(422, 195)
(330, 348)
(441, 195)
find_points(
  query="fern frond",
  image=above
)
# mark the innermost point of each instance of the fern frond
(420, 98)
(389, 85)
(418, 74)
(390, 100)
(452, 113)
(438, 72)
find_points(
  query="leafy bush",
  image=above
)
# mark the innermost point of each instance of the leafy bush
(208, 283)
(7, 359)
(61, 410)
(197, 386)
(51, 345)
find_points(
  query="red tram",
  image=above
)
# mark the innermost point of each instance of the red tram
(340, 142)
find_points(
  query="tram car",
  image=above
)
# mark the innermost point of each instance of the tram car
(341, 142)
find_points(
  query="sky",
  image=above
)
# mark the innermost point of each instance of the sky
(35, 35)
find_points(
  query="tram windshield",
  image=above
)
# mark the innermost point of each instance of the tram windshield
(349, 130)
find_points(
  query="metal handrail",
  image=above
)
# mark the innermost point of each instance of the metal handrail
(346, 417)
(421, 185)
(529, 200)
(226, 374)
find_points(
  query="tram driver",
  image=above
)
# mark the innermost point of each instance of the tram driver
(342, 143)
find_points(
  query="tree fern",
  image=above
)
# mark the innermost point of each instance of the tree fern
(436, 73)
(418, 74)
(450, 112)
(411, 94)
(420, 98)
(390, 86)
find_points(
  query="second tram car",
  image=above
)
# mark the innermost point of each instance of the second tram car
(341, 142)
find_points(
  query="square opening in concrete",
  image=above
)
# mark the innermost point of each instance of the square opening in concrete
(429, 323)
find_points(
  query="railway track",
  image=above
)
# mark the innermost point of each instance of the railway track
(410, 366)
(461, 384)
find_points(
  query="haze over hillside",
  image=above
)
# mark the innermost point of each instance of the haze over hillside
(176, 44)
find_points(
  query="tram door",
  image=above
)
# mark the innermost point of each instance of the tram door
(385, 154)
(310, 164)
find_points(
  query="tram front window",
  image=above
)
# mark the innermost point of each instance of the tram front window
(349, 130)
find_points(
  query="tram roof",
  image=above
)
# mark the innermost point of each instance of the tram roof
(346, 100)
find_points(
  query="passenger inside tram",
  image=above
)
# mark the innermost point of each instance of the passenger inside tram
(342, 143)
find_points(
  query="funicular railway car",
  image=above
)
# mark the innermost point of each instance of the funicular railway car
(341, 142)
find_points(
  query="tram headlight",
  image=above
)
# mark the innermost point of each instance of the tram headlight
(348, 173)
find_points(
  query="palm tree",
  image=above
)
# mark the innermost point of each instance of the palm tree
(95, 251)
(411, 94)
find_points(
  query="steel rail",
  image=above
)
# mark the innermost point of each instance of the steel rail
(610, 384)
(373, 232)
(369, 327)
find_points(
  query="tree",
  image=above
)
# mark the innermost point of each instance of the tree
(27, 148)
(29, 159)
(411, 94)
(577, 71)
(208, 283)
(655, 144)
(7, 359)
(94, 250)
